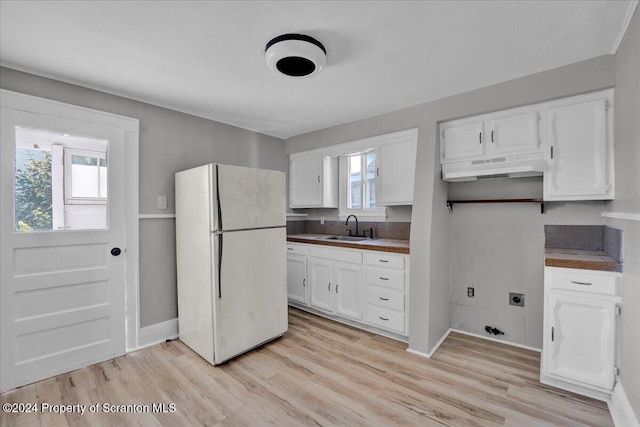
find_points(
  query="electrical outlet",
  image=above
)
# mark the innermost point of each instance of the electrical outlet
(162, 202)
(516, 299)
(471, 291)
(321, 220)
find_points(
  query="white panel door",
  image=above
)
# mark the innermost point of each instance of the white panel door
(297, 278)
(578, 164)
(250, 289)
(305, 184)
(513, 133)
(320, 280)
(396, 173)
(582, 340)
(250, 198)
(62, 291)
(348, 293)
(461, 141)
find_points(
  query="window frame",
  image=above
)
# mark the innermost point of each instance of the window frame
(379, 214)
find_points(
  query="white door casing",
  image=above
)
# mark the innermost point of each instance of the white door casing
(63, 293)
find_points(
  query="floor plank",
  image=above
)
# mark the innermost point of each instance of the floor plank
(320, 373)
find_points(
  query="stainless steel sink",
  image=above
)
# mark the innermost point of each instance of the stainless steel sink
(347, 238)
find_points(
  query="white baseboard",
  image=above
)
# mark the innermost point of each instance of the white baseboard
(621, 410)
(446, 334)
(157, 333)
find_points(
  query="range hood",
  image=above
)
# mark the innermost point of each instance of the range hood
(515, 166)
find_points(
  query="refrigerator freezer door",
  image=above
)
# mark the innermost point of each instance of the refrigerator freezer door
(250, 290)
(250, 198)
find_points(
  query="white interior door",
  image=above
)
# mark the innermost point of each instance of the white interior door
(63, 289)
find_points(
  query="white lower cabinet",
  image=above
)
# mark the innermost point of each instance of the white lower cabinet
(297, 273)
(580, 323)
(368, 287)
(336, 286)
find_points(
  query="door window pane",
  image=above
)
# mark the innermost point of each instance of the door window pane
(60, 181)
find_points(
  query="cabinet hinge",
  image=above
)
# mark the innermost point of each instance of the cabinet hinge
(606, 104)
(616, 371)
(443, 134)
(552, 152)
(538, 117)
(618, 310)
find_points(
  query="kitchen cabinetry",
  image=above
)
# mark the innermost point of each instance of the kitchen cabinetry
(395, 172)
(313, 180)
(369, 288)
(490, 135)
(296, 273)
(385, 290)
(580, 320)
(580, 157)
(336, 285)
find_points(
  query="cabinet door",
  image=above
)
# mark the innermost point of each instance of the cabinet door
(348, 293)
(513, 133)
(461, 141)
(320, 276)
(581, 342)
(396, 173)
(297, 278)
(305, 177)
(579, 164)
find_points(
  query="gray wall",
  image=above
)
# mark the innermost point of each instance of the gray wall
(627, 157)
(436, 248)
(169, 141)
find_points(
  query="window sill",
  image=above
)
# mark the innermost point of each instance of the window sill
(362, 217)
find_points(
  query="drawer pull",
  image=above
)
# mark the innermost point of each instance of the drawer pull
(383, 260)
(582, 283)
(383, 278)
(289, 249)
(382, 318)
(384, 299)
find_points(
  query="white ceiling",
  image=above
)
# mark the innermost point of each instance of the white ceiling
(207, 58)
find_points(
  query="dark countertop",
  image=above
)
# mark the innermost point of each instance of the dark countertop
(382, 245)
(581, 258)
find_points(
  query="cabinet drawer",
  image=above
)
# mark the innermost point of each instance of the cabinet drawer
(385, 299)
(584, 281)
(381, 259)
(296, 249)
(386, 319)
(387, 278)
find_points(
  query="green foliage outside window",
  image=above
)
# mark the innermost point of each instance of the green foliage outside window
(33, 195)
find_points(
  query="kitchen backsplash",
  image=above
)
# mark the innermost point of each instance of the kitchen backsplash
(591, 237)
(388, 230)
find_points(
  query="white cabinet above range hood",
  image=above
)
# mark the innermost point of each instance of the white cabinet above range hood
(506, 144)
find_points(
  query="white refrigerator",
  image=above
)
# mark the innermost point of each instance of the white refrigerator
(231, 259)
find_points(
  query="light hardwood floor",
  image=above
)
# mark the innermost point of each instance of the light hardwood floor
(319, 373)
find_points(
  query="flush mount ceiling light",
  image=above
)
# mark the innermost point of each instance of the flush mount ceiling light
(295, 55)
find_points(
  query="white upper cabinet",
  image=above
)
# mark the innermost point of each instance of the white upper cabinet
(489, 135)
(461, 139)
(396, 167)
(580, 158)
(514, 131)
(313, 180)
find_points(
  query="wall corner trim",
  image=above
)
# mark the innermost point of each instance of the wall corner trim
(435, 347)
(621, 410)
(155, 334)
(621, 215)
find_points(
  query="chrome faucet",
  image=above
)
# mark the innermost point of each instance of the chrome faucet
(347, 223)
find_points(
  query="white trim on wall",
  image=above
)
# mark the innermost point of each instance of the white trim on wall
(156, 216)
(621, 410)
(157, 333)
(622, 215)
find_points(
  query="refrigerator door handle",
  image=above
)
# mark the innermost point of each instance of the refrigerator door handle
(220, 248)
(218, 201)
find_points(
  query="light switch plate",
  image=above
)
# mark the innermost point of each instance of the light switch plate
(162, 202)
